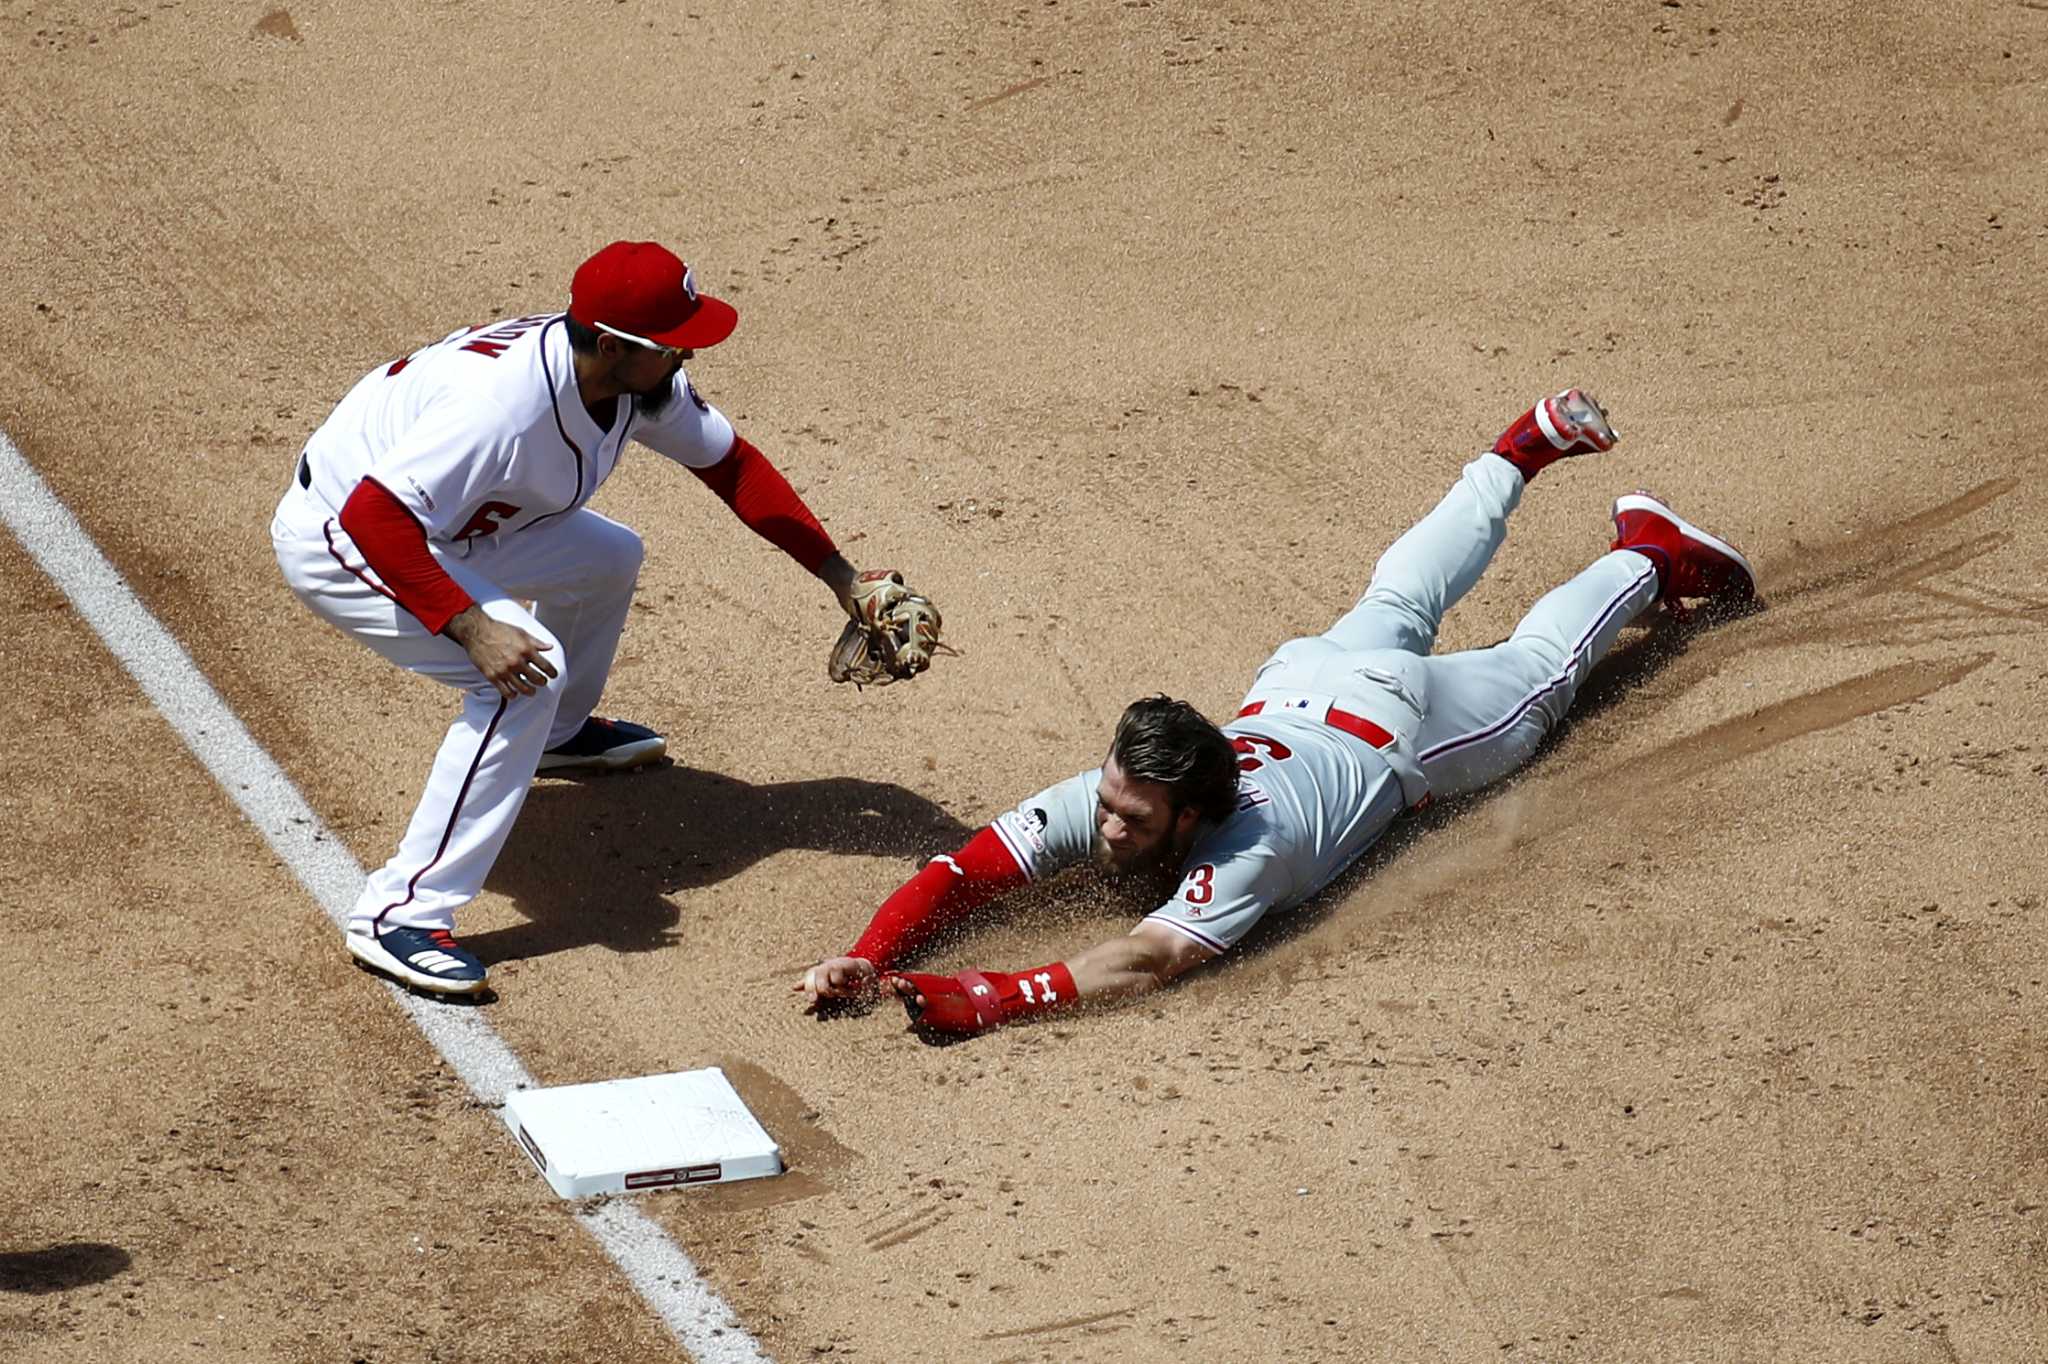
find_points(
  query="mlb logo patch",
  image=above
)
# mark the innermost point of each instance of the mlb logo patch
(1306, 704)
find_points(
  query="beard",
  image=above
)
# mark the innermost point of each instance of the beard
(1138, 863)
(1142, 881)
(657, 398)
(654, 402)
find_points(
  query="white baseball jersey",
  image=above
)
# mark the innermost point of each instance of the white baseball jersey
(484, 431)
(485, 439)
(1310, 800)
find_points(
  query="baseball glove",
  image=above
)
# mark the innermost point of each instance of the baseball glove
(893, 635)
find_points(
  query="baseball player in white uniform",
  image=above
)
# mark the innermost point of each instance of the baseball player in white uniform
(1339, 734)
(447, 491)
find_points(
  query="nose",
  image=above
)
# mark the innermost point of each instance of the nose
(1114, 830)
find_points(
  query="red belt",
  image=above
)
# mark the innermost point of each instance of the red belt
(1357, 726)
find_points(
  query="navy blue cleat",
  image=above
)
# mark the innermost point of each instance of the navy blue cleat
(606, 746)
(426, 958)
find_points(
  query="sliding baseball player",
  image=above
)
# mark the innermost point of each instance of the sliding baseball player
(1339, 734)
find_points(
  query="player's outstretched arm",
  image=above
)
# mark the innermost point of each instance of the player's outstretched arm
(1141, 961)
(947, 889)
(977, 1001)
(761, 497)
(765, 502)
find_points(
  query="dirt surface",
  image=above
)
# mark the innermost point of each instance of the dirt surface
(1133, 332)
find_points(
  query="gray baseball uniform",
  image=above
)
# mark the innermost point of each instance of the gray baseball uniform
(1342, 731)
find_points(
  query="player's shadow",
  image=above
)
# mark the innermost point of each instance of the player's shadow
(593, 861)
(59, 1269)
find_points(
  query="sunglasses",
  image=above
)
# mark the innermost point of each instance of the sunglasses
(671, 352)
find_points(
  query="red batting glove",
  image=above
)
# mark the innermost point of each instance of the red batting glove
(978, 1001)
(944, 1003)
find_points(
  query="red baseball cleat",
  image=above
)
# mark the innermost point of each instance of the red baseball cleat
(1690, 562)
(1560, 426)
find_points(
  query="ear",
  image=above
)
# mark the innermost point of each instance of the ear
(1184, 823)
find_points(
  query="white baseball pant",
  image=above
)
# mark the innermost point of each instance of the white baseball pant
(579, 572)
(1482, 712)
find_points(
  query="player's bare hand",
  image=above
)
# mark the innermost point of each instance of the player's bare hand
(839, 978)
(508, 657)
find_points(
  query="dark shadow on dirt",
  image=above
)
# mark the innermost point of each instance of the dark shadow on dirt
(59, 1269)
(592, 861)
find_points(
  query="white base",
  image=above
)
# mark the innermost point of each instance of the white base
(654, 1132)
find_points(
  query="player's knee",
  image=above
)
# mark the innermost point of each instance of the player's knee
(1414, 625)
(622, 553)
(1538, 655)
(549, 693)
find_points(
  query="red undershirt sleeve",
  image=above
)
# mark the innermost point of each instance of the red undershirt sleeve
(769, 506)
(395, 547)
(939, 896)
(762, 498)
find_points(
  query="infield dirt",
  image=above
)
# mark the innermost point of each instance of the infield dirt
(1132, 333)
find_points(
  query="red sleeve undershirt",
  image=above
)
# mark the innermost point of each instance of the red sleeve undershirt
(394, 545)
(762, 499)
(939, 896)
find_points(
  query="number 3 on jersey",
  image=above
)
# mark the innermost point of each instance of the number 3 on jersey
(1250, 745)
(1200, 886)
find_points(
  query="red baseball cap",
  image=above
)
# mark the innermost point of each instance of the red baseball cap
(641, 291)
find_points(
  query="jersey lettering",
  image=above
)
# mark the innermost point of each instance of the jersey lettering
(494, 343)
(1201, 884)
(488, 518)
(1250, 744)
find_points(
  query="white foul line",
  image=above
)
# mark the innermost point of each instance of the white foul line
(660, 1271)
